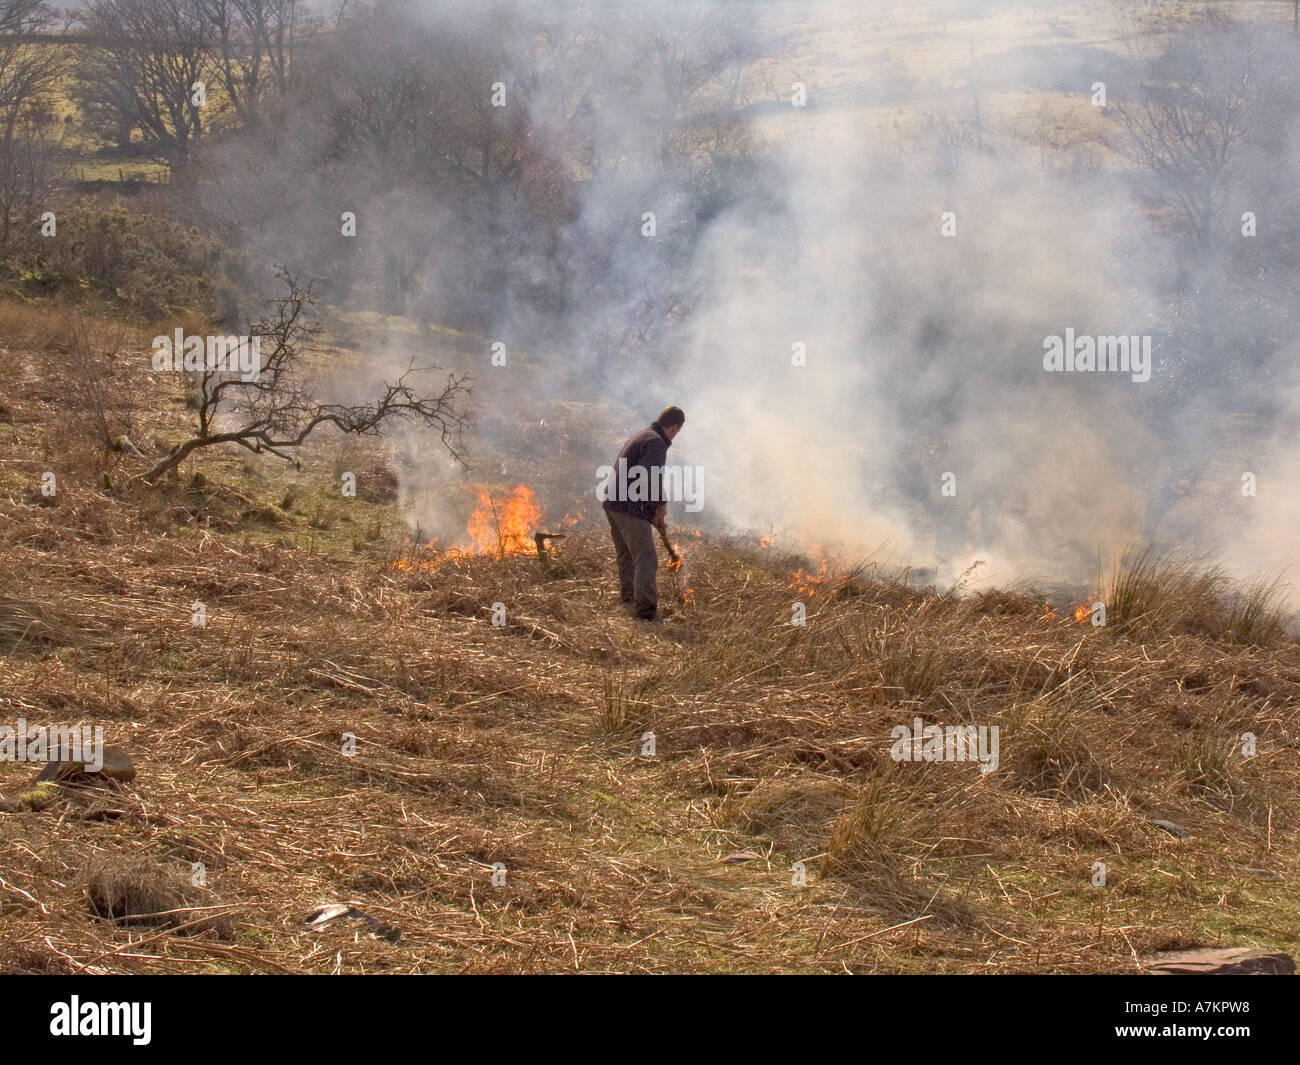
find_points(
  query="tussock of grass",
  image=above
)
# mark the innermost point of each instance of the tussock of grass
(796, 810)
(1208, 768)
(905, 652)
(1049, 751)
(1155, 592)
(1258, 614)
(885, 843)
(624, 709)
(151, 895)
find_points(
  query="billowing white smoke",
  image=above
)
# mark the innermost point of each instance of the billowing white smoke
(922, 425)
(923, 358)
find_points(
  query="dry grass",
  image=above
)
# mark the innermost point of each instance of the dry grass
(522, 745)
(1155, 592)
(151, 895)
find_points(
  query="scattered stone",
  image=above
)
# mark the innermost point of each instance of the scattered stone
(1221, 961)
(1171, 828)
(741, 857)
(117, 766)
(329, 912)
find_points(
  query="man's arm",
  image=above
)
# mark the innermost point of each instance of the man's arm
(656, 458)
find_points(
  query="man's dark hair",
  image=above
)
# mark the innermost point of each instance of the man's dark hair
(670, 416)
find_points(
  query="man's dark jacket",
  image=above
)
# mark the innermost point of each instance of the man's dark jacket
(649, 448)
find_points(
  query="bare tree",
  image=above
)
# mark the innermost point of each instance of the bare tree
(1189, 116)
(28, 133)
(94, 376)
(407, 124)
(695, 63)
(253, 42)
(275, 411)
(33, 168)
(105, 92)
(160, 49)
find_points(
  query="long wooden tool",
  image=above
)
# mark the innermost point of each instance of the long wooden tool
(663, 535)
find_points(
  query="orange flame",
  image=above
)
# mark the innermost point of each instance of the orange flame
(499, 525)
(1083, 612)
(675, 566)
(806, 583)
(504, 527)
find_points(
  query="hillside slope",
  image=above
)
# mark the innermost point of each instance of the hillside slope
(518, 749)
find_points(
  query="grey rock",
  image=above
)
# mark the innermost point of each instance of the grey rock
(117, 766)
(1221, 961)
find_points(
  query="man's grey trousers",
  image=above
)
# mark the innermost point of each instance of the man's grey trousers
(638, 562)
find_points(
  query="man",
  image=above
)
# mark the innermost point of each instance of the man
(632, 521)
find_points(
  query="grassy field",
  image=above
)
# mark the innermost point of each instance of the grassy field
(522, 749)
(571, 790)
